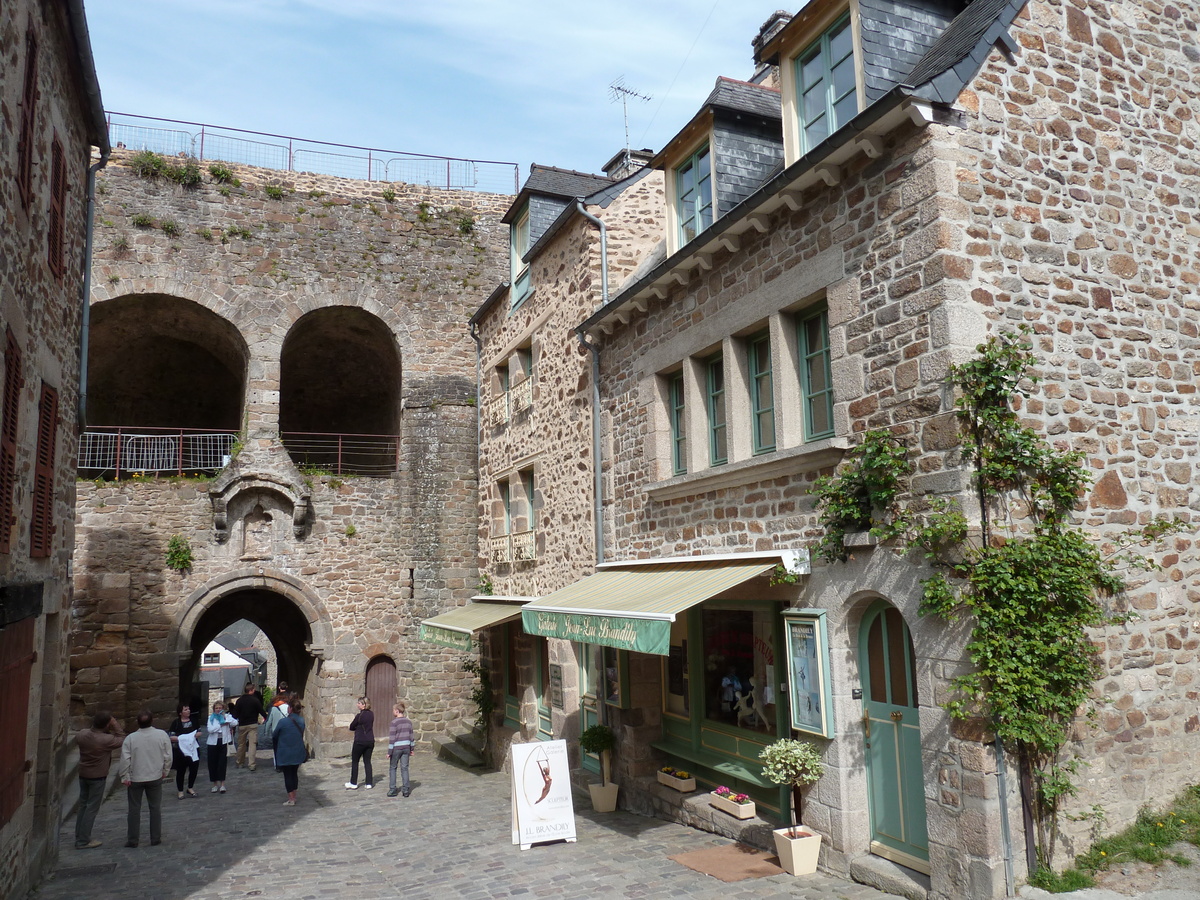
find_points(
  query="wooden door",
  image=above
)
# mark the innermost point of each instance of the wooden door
(381, 691)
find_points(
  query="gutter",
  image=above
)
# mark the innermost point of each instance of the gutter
(597, 462)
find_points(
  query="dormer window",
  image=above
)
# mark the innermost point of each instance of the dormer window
(694, 193)
(826, 87)
(518, 268)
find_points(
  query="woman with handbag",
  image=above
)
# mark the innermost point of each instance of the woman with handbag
(290, 752)
(221, 730)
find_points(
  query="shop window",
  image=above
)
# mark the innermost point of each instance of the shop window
(676, 675)
(825, 84)
(694, 195)
(606, 674)
(739, 666)
(816, 380)
(762, 393)
(678, 426)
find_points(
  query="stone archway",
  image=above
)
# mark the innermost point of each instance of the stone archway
(291, 616)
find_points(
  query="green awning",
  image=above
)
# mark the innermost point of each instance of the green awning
(455, 628)
(632, 607)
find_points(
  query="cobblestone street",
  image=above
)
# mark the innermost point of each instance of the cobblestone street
(451, 838)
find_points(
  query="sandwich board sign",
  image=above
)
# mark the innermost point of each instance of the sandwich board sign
(542, 807)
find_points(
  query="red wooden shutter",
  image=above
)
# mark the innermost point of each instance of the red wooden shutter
(41, 523)
(28, 122)
(8, 439)
(16, 665)
(58, 206)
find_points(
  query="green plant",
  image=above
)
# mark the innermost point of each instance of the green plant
(481, 693)
(147, 164)
(222, 174)
(315, 195)
(351, 531)
(120, 243)
(486, 588)
(794, 764)
(599, 739)
(239, 231)
(224, 190)
(179, 553)
(466, 224)
(187, 174)
(205, 233)
(388, 194)
(862, 494)
(141, 220)
(274, 191)
(114, 278)
(169, 226)
(423, 211)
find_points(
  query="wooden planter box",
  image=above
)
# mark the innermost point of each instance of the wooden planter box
(737, 810)
(683, 785)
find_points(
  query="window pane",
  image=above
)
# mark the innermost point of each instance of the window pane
(814, 104)
(766, 430)
(816, 133)
(845, 110)
(897, 639)
(841, 41)
(612, 676)
(843, 78)
(812, 70)
(716, 411)
(737, 654)
(678, 434)
(820, 416)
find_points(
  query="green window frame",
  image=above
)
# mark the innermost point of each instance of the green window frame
(512, 680)
(718, 445)
(519, 246)
(826, 86)
(816, 377)
(762, 393)
(694, 194)
(678, 426)
(506, 498)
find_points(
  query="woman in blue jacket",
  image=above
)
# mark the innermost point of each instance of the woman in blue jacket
(289, 748)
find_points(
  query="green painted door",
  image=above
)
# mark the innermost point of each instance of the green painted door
(892, 732)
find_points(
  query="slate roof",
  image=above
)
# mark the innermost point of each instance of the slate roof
(552, 182)
(959, 53)
(744, 97)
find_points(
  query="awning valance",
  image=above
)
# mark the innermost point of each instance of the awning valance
(632, 607)
(455, 628)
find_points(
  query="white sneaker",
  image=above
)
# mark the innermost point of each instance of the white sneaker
(368, 786)
(214, 789)
(351, 786)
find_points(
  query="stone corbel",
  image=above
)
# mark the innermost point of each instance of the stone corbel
(220, 520)
(300, 516)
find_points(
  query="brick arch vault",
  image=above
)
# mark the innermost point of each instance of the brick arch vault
(291, 614)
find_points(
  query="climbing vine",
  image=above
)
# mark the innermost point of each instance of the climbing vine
(1032, 591)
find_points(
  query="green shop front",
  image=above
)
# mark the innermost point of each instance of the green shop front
(705, 639)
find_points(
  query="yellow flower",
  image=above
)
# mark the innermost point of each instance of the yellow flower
(1102, 853)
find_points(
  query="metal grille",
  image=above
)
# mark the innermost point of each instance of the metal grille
(154, 451)
(373, 455)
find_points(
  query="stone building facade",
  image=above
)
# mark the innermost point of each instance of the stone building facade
(52, 117)
(302, 327)
(1024, 163)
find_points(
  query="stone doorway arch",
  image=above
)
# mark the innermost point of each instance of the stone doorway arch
(290, 614)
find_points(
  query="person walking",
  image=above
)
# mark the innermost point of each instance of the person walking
(400, 747)
(290, 752)
(145, 762)
(96, 746)
(248, 710)
(363, 727)
(185, 750)
(220, 736)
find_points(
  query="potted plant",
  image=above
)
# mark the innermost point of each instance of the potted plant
(740, 806)
(794, 764)
(678, 779)
(599, 739)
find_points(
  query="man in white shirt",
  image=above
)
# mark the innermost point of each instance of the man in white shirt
(145, 762)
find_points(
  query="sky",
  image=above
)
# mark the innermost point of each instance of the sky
(508, 80)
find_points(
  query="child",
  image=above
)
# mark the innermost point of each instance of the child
(400, 746)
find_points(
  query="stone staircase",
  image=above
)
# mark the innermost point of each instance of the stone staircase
(466, 749)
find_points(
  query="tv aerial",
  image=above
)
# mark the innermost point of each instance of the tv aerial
(620, 91)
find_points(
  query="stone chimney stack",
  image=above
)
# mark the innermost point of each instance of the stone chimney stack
(624, 164)
(765, 73)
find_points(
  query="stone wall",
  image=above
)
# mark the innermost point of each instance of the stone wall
(358, 561)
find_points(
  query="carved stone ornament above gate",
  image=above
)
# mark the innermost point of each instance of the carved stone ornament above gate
(250, 505)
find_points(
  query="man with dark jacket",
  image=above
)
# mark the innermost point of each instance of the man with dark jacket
(248, 710)
(96, 746)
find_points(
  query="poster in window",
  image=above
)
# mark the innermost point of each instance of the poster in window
(808, 671)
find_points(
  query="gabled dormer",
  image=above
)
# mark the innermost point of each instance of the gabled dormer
(837, 57)
(720, 157)
(546, 193)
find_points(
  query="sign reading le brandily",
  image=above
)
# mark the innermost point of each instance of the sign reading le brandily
(621, 632)
(542, 809)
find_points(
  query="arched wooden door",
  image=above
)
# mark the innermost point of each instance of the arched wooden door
(381, 691)
(892, 735)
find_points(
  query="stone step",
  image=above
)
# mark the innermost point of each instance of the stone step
(472, 740)
(450, 749)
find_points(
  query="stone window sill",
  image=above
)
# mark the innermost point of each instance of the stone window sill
(808, 457)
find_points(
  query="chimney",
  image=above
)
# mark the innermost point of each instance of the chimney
(764, 72)
(626, 162)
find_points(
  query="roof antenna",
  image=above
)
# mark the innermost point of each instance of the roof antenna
(618, 90)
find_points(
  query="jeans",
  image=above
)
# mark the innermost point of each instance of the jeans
(152, 790)
(218, 761)
(363, 752)
(91, 793)
(247, 735)
(399, 757)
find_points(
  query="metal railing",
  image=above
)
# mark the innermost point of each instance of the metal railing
(496, 411)
(524, 546)
(116, 451)
(522, 396)
(372, 455)
(291, 154)
(501, 549)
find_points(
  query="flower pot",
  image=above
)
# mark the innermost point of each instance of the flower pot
(684, 785)
(798, 855)
(737, 810)
(604, 796)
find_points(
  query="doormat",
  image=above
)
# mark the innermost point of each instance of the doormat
(731, 862)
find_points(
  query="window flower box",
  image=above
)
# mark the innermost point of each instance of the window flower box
(739, 806)
(678, 779)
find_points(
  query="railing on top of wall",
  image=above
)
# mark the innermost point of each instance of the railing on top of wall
(276, 151)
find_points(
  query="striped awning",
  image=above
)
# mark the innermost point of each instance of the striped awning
(631, 606)
(456, 627)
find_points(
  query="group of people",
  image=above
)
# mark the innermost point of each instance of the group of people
(149, 754)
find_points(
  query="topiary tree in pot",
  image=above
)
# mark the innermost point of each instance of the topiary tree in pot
(794, 764)
(599, 739)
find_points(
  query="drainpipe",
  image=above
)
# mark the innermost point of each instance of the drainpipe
(86, 315)
(597, 463)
